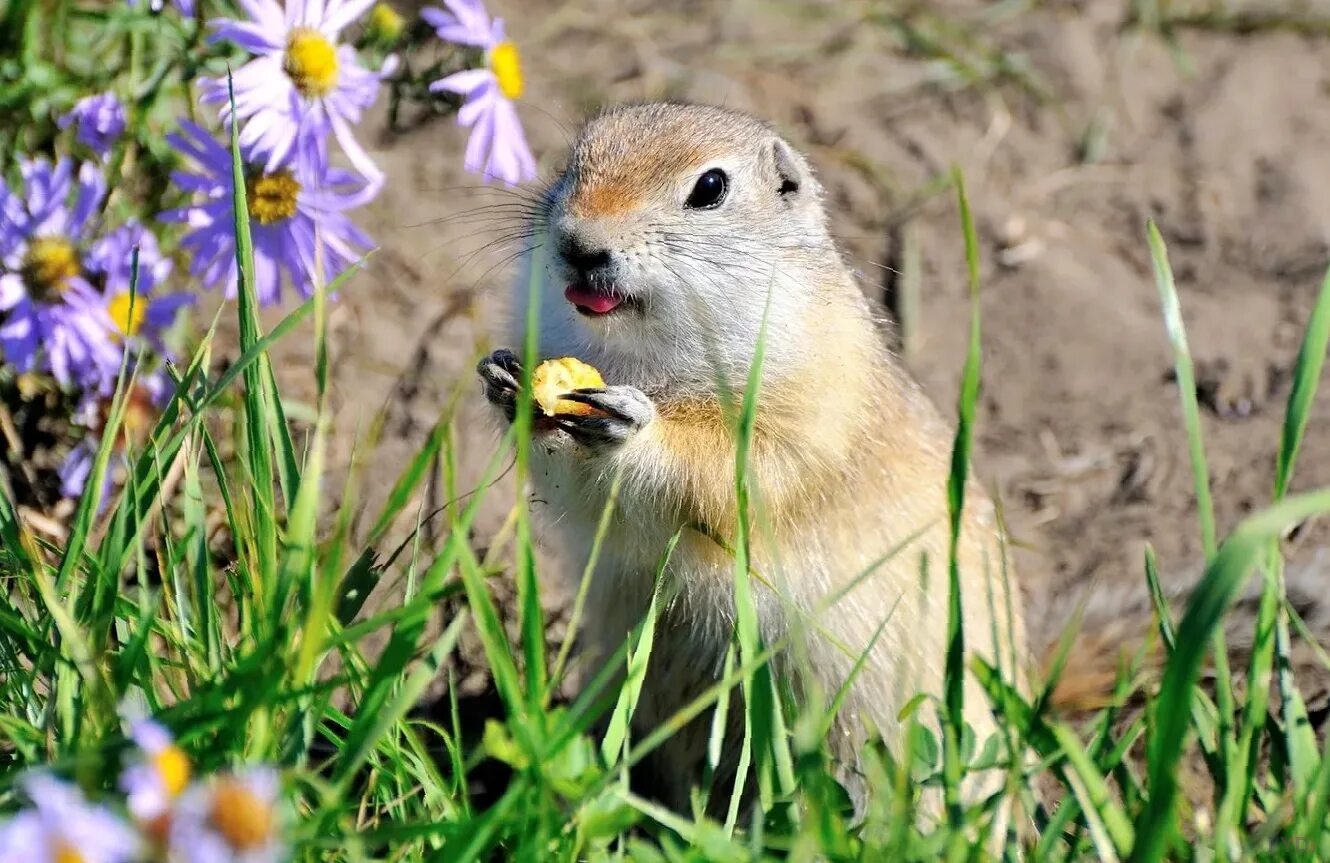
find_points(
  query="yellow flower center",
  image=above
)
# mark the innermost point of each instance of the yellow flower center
(506, 64)
(242, 819)
(48, 265)
(271, 197)
(172, 768)
(311, 62)
(127, 313)
(65, 854)
(385, 24)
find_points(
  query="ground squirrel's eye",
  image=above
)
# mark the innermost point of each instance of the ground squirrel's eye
(709, 191)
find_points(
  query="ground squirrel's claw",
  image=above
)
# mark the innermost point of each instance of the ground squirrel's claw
(625, 411)
(628, 404)
(499, 372)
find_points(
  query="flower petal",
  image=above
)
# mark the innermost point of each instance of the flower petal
(465, 23)
(463, 82)
(162, 311)
(313, 14)
(360, 160)
(74, 472)
(479, 144)
(11, 291)
(251, 36)
(265, 13)
(92, 189)
(340, 13)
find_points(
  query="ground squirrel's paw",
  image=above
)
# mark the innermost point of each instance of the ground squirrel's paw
(1236, 388)
(499, 372)
(623, 411)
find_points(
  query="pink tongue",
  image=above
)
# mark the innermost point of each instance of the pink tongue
(599, 302)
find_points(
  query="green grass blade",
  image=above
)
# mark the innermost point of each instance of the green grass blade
(1159, 600)
(958, 478)
(764, 740)
(407, 695)
(288, 466)
(690, 711)
(256, 415)
(300, 560)
(408, 481)
(1093, 792)
(530, 613)
(1233, 807)
(1306, 377)
(616, 734)
(1227, 764)
(402, 643)
(584, 587)
(1186, 380)
(494, 639)
(207, 631)
(1300, 739)
(1309, 829)
(720, 718)
(1209, 602)
(1205, 715)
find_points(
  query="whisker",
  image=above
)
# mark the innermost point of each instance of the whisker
(523, 193)
(513, 211)
(504, 262)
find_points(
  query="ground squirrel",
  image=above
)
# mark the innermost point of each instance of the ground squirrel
(671, 232)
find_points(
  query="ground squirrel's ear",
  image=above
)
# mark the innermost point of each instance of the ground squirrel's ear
(787, 169)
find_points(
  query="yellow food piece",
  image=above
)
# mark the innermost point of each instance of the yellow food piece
(553, 378)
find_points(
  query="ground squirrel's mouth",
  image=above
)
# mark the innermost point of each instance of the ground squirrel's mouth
(592, 300)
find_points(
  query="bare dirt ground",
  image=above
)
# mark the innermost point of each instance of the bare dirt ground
(1072, 125)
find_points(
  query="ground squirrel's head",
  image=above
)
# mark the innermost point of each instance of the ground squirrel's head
(672, 225)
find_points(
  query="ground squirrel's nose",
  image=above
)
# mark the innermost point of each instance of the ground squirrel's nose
(582, 257)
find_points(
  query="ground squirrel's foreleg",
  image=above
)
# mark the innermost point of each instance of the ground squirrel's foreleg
(625, 411)
(679, 453)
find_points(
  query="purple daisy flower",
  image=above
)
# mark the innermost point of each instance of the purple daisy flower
(138, 319)
(112, 259)
(232, 817)
(158, 774)
(62, 825)
(497, 146)
(136, 315)
(74, 471)
(50, 317)
(99, 121)
(302, 86)
(297, 217)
